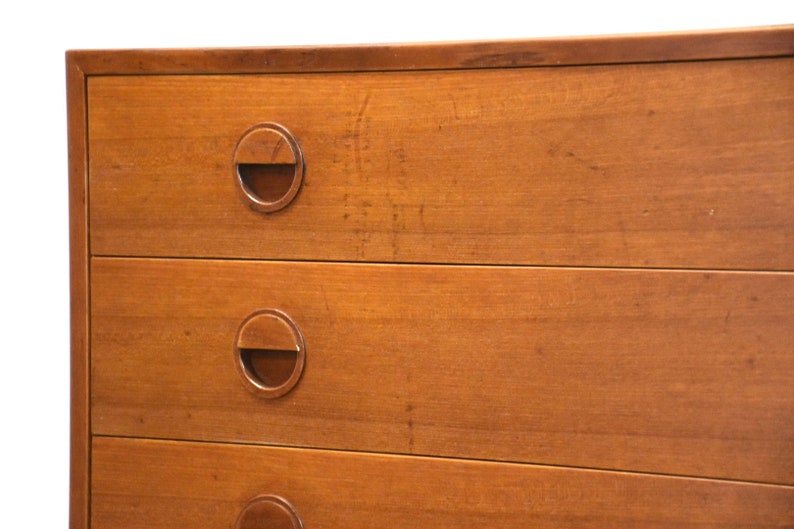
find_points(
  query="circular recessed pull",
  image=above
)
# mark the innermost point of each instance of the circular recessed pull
(269, 512)
(268, 167)
(270, 353)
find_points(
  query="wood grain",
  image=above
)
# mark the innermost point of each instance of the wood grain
(687, 165)
(598, 49)
(206, 485)
(684, 373)
(79, 493)
(634, 157)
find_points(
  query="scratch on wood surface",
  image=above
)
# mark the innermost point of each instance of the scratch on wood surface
(274, 155)
(454, 107)
(357, 131)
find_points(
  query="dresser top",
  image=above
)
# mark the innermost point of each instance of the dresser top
(769, 41)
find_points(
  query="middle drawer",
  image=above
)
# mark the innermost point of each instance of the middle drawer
(659, 371)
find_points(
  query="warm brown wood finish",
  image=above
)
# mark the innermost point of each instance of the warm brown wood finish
(605, 49)
(673, 372)
(79, 309)
(206, 485)
(478, 259)
(663, 165)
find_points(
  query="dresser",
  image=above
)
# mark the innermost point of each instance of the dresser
(533, 283)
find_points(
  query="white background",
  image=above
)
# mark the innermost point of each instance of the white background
(34, 370)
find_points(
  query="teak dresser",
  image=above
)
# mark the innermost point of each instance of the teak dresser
(543, 283)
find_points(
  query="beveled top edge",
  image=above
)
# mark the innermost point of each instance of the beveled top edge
(767, 41)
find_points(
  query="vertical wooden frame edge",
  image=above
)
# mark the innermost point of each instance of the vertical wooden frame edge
(80, 455)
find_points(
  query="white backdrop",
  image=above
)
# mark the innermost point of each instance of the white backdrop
(34, 373)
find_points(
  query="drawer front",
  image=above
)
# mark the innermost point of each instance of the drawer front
(663, 371)
(663, 165)
(151, 484)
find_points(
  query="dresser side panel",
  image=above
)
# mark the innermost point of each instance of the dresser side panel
(79, 294)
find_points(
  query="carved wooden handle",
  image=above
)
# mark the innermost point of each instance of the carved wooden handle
(268, 167)
(270, 353)
(268, 512)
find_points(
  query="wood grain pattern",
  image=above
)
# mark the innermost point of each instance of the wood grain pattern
(79, 285)
(674, 372)
(206, 486)
(602, 49)
(645, 353)
(660, 165)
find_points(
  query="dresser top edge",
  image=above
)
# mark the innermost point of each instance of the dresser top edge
(738, 43)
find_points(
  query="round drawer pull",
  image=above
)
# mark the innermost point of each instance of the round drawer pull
(270, 353)
(268, 167)
(268, 512)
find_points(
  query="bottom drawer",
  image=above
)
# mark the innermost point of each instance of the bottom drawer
(152, 484)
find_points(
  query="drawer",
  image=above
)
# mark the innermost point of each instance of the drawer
(154, 484)
(675, 372)
(681, 164)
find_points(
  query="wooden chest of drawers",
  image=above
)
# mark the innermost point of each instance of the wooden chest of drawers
(530, 283)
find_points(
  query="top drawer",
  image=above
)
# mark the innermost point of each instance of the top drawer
(687, 164)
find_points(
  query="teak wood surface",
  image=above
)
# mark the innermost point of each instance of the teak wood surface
(660, 151)
(682, 165)
(206, 484)
(772, 41)
(670, 372)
